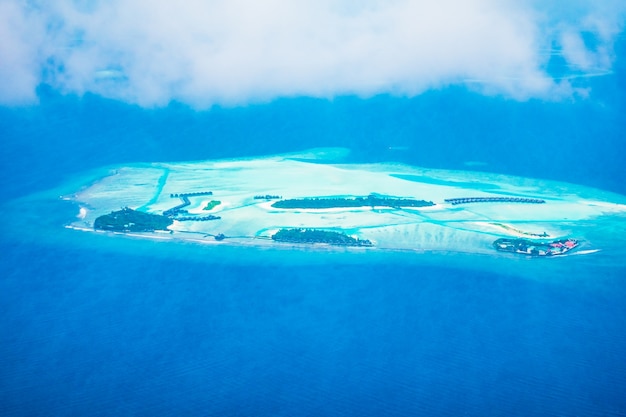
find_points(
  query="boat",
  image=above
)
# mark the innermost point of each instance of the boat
(535, 247)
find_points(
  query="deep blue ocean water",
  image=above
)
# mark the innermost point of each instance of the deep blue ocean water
(96, 325)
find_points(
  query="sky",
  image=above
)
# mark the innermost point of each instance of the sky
(238, 52)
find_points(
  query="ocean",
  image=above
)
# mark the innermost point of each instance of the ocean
(99, 325)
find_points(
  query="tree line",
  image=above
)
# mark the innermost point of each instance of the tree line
(340, 202)
(318, 236)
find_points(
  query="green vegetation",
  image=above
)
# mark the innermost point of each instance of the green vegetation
(371, 200)
(318, 236)
(536, 247)
(128, 220)
(212, 204)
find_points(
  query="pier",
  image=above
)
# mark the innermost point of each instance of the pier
(184, 197)
(197, 218)
(200, 193)
(467, 200)
(267, 197)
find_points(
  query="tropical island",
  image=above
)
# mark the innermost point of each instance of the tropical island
(129, 220)
(385, 206)
(212, 204)
(318, 236)
(371, 200)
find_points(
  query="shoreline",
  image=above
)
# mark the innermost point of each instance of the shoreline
(441, 227)
(319, 248)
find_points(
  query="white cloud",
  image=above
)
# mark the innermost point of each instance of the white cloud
(204, 52)
(21, 33)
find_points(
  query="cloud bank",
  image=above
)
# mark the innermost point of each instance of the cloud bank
(231, 52)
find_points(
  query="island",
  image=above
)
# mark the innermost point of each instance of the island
(129, 220)
(297, 201)
(318, 236)
(536, 247)
(212, 204)
(340, 202)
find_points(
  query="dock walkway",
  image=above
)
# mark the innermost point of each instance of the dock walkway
(467, 200)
